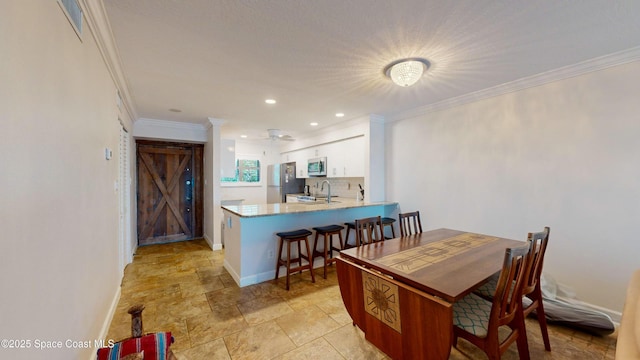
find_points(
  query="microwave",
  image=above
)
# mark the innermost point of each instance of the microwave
(317, 167)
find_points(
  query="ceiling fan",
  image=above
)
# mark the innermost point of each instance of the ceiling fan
(278, 135)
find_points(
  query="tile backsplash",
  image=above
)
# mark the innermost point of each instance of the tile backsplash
(343, 187)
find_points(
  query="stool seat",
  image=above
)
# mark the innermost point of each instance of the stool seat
(387, 221)
(294, 234)
(328, 228)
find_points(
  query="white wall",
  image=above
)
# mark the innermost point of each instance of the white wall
(564, 154)
(59, 270)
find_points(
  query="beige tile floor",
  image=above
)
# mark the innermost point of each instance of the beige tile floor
(186, 290)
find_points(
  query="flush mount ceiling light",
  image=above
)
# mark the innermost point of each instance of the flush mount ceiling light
(339, 114)
(270, 101)
(406, 72)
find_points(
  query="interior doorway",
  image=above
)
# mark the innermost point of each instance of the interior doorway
(169, 191)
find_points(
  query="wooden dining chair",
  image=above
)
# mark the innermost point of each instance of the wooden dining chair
(410, 223)
(369, 230)
(478, 320)
(532, 287)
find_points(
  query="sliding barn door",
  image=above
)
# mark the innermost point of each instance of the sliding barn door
(169, 192)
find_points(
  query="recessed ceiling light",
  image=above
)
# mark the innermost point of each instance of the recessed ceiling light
(339, 114)
(270, 101)
(243, 136)
(313, 124)
(175, 110)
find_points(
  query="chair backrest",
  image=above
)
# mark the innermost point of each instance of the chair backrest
(508, 296)
(369, 230)
(410, 223)
(537, 247)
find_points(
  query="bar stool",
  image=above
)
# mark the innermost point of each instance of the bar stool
(294, 236)
(349, 225)
(327, 232)
(387, 221)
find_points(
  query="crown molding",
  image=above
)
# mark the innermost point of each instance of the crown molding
(170, 124)
(98, 23)
(375, 118)
(213, 122)
(584, 67)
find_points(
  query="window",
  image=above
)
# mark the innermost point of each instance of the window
(74, 14)
(247, 170)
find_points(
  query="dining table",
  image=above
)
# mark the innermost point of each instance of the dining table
(400, 292)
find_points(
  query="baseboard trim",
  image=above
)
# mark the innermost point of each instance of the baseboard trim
(211, 244)
(208, 240)
(232, 272)
(104, 330)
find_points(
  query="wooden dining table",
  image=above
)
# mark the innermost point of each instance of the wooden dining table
(400, 292)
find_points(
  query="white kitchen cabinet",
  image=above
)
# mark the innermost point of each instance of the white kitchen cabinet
(346, 158)
(228, 158)
(355, 159)
(301, 164)
(300, 158)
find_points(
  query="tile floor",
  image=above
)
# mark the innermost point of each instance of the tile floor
(186, 290)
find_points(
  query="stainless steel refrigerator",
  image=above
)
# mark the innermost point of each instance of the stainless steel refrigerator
(281, 180)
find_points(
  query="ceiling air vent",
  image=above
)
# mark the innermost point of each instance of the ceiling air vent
(74, 13)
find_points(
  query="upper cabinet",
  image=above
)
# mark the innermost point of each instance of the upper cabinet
(300, 158)
(345, 158)
(228, 158)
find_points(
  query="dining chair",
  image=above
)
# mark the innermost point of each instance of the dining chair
(532, 287)
(410, 223)
(478, 320)
(369, 230)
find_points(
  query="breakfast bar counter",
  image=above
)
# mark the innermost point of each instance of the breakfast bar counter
(250, 240)
(298, 207)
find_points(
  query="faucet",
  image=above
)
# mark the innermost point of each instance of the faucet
(328, 190)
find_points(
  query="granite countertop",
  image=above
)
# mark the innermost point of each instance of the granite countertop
(292, 208)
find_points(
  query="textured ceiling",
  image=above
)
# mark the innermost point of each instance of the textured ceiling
(222, 59)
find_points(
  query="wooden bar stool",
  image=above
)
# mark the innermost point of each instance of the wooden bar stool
(294, 236)
(327, 254)
(349, 225)
(387, 221)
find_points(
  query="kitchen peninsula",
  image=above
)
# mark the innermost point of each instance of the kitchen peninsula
(250, 240)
